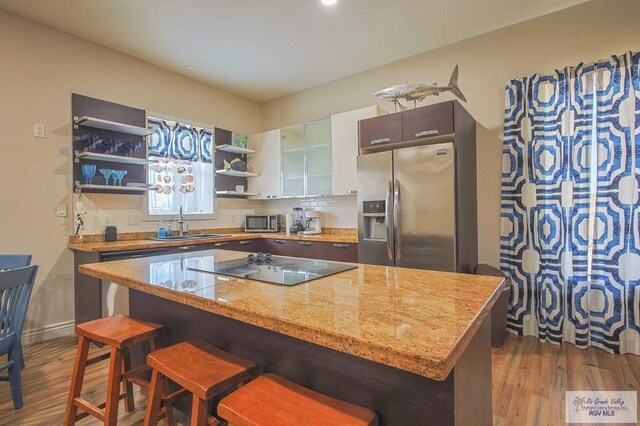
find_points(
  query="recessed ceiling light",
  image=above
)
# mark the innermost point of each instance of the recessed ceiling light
(189, 68)
(329, 2)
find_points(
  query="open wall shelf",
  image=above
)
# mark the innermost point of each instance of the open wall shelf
(111, 158)
(234, 149)
(236, 193)
(111, 188)
(113, 126)
(235, 173)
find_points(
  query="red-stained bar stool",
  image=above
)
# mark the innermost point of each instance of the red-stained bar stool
(119, 333)
(273, 400)
(199, 368)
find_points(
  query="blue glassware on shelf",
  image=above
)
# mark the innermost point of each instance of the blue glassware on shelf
(88, 171)
(118, 174)
(107, 174)
(134, 146)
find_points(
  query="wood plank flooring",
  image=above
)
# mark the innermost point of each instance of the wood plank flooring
(529, 381)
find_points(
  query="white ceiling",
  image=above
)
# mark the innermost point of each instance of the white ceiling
(264, 49)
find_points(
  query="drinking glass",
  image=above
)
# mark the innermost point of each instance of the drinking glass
(88, 171)
(118, 174)
(107, 174)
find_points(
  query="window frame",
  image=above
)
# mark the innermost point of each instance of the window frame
(146, 216)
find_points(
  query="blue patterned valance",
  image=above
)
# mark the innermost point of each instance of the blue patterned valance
(179, 141)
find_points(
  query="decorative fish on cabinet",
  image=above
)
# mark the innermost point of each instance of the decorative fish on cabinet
(416, 92)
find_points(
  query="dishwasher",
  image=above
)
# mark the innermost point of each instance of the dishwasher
(115, 298)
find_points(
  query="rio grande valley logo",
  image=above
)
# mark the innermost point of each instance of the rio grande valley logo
(601, 407)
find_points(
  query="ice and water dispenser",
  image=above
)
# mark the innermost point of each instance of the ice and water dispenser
(373, 215)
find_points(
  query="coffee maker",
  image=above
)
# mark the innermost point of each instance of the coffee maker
(312, 219)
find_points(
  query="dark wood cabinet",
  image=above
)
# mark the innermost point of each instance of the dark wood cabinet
(382, 130)
(428, 121)
(251, 245)
(341, 252)
(375, 134)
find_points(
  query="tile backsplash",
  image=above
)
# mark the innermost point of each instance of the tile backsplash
(337, 212)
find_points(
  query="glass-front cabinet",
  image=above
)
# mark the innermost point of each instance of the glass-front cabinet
(292, 144)
(306, 159)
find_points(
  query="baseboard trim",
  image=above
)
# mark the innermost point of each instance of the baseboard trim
(48, 332)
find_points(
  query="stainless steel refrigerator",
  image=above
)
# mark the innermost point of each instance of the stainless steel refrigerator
(407, 208)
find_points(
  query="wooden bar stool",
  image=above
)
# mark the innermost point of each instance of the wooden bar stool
(118, 332)
(272, 400)
(199, 368)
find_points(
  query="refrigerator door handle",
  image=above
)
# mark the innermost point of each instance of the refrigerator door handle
(396, 220)
(387, 221)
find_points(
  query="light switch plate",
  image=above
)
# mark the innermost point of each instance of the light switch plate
(61, 210)
(39, 130)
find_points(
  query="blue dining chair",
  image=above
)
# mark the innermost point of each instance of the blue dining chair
(12, 261)
(16, 286)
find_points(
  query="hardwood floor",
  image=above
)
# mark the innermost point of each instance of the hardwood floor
(529, 381)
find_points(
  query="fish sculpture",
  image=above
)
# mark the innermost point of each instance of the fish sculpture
(417, 92)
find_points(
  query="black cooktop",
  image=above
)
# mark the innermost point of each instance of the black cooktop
(276, 269)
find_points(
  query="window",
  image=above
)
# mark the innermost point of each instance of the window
(181, 169)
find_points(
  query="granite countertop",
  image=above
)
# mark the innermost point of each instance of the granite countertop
(415, 320)
(346, 236)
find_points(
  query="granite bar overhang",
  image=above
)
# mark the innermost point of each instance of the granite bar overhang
(414, 320)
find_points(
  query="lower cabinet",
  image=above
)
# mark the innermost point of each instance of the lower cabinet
(340, 252)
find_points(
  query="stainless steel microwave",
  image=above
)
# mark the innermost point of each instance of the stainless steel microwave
(261, 223)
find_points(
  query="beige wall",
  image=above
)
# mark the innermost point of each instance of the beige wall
(39, 69)
(583, 33)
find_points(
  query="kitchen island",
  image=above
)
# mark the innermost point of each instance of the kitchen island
(413, 345)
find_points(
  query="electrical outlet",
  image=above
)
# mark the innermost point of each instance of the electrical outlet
(233, 218)
(134, 219)
(39, 130)
(109, 221)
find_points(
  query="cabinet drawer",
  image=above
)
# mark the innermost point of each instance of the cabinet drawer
(381, 130)
(341, 252)
(428, 121)
(279, 247)
(248, 245)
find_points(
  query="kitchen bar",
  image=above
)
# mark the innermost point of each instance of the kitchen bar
(413, 345)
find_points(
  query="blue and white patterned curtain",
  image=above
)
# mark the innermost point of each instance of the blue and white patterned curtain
(179, 141)
(570, 216)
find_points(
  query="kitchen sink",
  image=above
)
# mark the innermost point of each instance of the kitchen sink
(189, 237)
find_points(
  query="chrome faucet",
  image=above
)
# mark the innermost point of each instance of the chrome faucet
(181, 230)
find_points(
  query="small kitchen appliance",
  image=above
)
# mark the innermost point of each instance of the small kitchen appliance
(261, 223)
(298, 221)
(312, 220)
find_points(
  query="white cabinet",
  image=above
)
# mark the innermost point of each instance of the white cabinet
(265, 162)
(344, 152)
(306, 159)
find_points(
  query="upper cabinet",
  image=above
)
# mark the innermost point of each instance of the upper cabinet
(308, 160)
(344, 148)
(380, 130)
(292, 147)
(319, 157)
(407, 126)
(265, 162)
